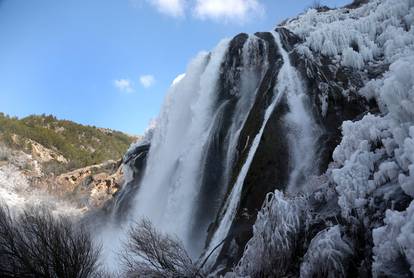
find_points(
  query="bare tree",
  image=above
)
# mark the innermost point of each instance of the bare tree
(316, 4)
(38, 244)
(152, 254)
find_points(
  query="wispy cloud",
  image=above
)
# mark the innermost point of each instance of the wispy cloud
(238, 11)
(147, 80)
(229, 10)
(124, 85)
(175, 8)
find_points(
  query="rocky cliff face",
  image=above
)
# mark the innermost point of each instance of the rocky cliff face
(299, 160)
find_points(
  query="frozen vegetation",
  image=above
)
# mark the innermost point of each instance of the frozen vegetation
(377, 31)
(275, 232)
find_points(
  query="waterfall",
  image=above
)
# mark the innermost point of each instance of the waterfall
(193, 117)
(196, 142)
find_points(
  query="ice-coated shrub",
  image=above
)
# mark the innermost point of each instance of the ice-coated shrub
(327, 255)
(275, 234)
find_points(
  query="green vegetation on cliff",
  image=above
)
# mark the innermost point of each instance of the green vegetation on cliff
(80, 145)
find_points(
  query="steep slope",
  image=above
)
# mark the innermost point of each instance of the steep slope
(320, 109)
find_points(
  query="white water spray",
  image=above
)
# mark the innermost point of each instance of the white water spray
(170, 182)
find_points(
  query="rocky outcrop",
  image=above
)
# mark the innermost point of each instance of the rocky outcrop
(91, 186)
(42, 154)
(134, 163)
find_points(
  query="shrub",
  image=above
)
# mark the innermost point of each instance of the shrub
(152, 254)
(54, 167)
(37, 244)
(4, 153)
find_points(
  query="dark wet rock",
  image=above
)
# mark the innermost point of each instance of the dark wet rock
(356, 4)
(266, 167)
(135, 160)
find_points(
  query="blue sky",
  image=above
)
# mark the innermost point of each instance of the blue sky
(109, 63)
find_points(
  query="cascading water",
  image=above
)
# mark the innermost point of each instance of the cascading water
(303, 132)
(195, 145)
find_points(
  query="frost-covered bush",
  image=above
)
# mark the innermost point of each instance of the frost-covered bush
(271, 250)
(351, 58)
(406, 178)
(396, 94)
(395, 91)
(327, 255)
(358, 163)
(394, 244)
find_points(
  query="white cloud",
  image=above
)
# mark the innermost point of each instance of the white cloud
(147, 80)
(173, 8)
(124, 85)
(228, 10)
(218, 10)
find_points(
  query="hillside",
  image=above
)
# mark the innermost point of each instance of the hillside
(76, 145)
